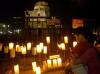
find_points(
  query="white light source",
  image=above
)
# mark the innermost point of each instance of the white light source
(45, 50)
(18, 48)
(10, 32)
(38, 48)
(54, 62)
(48, 39)
(54, 56)
(11, 45)
(41, 46)
(65, 39)
(74, 43)
(16, 69)
(1, 32)
(38, 70)
(34, 66)
(3, 26)
(29, 46)
(49, 63)
(63, 46)
(59, 61)
(23, 50)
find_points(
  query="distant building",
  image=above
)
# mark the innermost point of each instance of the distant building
(39, 17)
(8, 29)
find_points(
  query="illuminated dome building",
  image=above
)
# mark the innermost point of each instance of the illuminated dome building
(40, 13)
(39, 17)
(41, 9)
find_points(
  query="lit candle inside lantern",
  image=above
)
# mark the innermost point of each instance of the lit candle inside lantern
(63, 46)
(16, 69)
(23, 49)
(18, 49)
(6, 49)
(29, 46)
(1, 46)
(12, 53)
(45, 50)
(54, 62)
(59, 60)
(34, 66)
(38, 48)
(49, 63)
(38, 70)
(65, 39)
(11, 45)
(74, 43)
(41, 46)
(48, 39)
(59, 46)
(54, 56)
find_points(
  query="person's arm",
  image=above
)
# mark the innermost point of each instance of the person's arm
(85, 58)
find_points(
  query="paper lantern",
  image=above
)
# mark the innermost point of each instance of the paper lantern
(23, 50)
(29, 45)
(63, 46)
(16, 69)
(38, 48)
(11, 45)
(54, 62)
(34, 66)
(65, 39)
(38, 70)
(18, 48)
(48, 39)
(49, 63)
(74, 43)
(45, 50)
(59, 61)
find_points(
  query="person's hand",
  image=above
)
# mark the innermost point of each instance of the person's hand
(74, 59)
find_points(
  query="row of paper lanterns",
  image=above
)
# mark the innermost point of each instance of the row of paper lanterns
(53, 62)
(37, 69)
(29, 45)
(23, 49)
(11, 45)
(38, 49)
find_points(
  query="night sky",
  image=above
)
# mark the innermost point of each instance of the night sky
(59, 8)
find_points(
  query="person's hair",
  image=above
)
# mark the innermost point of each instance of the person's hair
(80, 30)
(87, 34)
